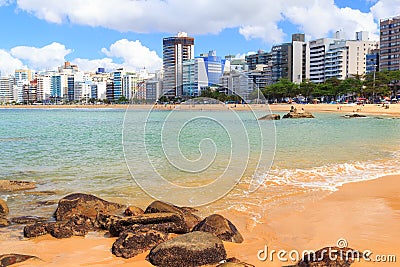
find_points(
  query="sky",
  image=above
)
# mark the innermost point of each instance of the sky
(42, 34)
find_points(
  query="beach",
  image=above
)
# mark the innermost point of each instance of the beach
(366, 214)
(332, 178)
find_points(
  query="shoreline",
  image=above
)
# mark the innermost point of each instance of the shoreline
(367, 109)
(365, 213)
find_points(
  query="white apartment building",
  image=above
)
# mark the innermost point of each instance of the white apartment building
(194, 77)
(316, 59)
(6, 90)
(43, 87)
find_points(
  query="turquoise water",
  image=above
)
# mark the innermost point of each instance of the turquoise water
(81, 150)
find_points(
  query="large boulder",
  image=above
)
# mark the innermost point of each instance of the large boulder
(133, 211)
(330, 257)
(270, 117)
(131, 243)
(7, 185)
(192, 249)
(171, 222)
(83, 204)
(190, 219)
(37, 229)
(3, 208)
(298, 115)
(10, 259)
(355, 115)
(221, 227)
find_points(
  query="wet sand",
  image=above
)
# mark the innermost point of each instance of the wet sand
(366, 214)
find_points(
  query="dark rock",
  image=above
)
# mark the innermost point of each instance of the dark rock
(47, 202)
(4, 222)
(133, 211)
(28, 219)
(192, 249)
(37, 229)
(221, 227)
(7, 185)
(120, 225)
(330, 257)
(130, 244)
(3, 208)
(104, 221)
(167, 227)
(189, 218)
(83, 204)
(76, 226)
(41, 193)
(10, 259)
(355, 115)
(233, 262)
(270, 117)
(298, 115)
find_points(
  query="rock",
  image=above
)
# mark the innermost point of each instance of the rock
(47, 202)
(192, 249)
(120, 225)
(329, 257)
(270, 117)
(298, 115)
(10, 259)
(76, 226)
(3, 208)
(83, 204)
(28, 219)
(104, 221)
(133, 211)
(37, 229)
(41, 193)
(221, 227)
(7, 185)
(130, 244)
(355, 115)
(189, 218)
(4, 222)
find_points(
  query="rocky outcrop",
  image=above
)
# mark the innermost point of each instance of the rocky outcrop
(133, 211)
(270, 117)
(192, 249)
(233, 262)
(298, 115)
(220, 227)
(132, 243)
(7, 185)
(27, 219)
(168, 222)
(83, 204)
(329, 257)
(190, 219)
(4, 222)
(10, 259)
(355, 115)
(75, 226)
(3, 208)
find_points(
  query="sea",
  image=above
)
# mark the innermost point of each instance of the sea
(214, 160)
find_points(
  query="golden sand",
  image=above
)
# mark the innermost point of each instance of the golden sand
(366, 214)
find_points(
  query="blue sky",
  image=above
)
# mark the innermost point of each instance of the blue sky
(41, 34)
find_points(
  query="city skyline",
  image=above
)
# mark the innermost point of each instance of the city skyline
(41, 35)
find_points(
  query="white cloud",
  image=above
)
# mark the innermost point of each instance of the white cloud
(386, 8)
(9, 63)
(5, 2)
(93, 64)
(134, 55)
(44, 58)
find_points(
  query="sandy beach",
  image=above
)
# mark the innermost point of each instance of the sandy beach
(365, 214)
(367, 109)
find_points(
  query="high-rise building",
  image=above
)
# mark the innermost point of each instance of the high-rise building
(261, 58)
(43, 88)
(176, 50)
(281, 61)
(214, 67)
(316, 59)
(372, 59)
(6, 89)
(194, 77)
(389, 58)
(118, 79)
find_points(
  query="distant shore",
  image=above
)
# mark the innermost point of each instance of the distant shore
(367, 109)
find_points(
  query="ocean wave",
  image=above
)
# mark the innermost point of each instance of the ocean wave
(332, 176)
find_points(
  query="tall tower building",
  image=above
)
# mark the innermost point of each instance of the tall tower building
(176, 50)
(390, 45)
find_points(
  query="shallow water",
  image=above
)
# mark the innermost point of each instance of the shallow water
(79, 150)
